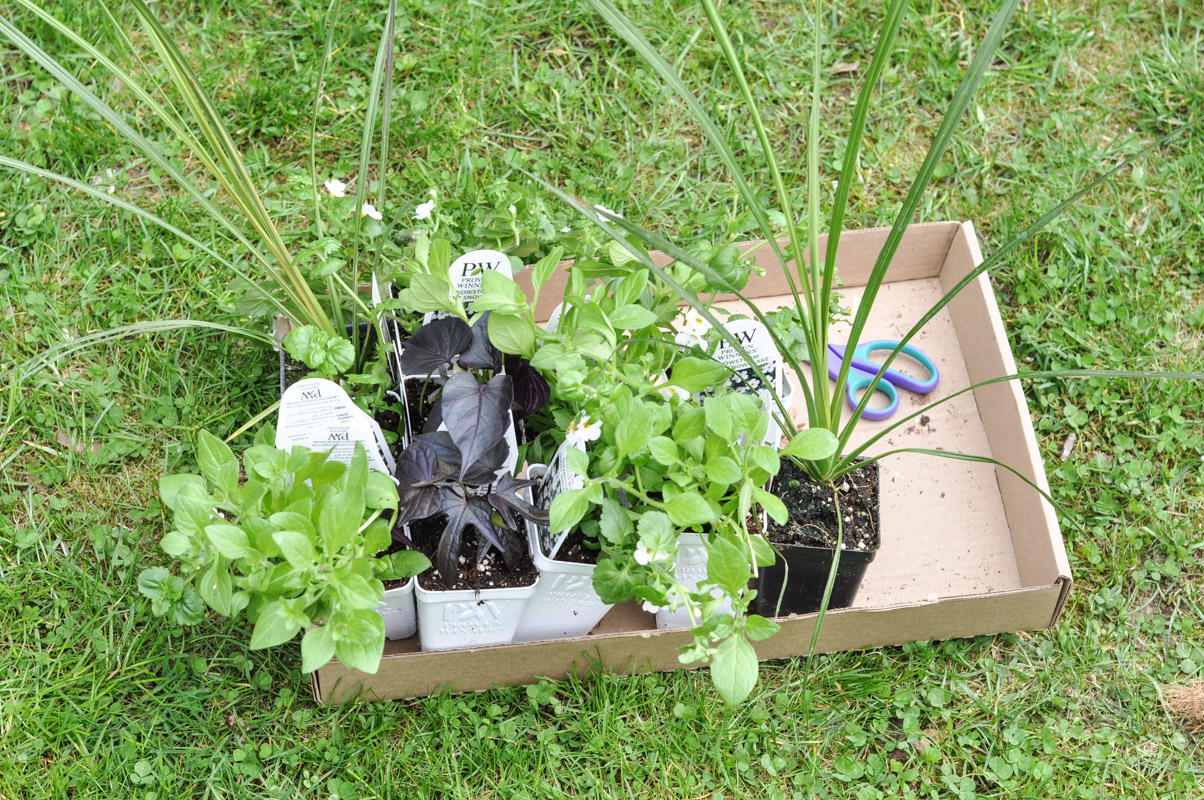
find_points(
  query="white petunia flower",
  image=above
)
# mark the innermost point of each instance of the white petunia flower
(606, 210)
(566, 229)
(513, 211)
(645, 555)
(369, 210)
(424, 210)
(336, 187)
(583, 430)
(651, 609)
(692, 329)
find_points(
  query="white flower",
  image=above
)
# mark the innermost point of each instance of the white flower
(692, 329)
(369, 210)
(513, 211)
(669, 392)
(434, 194)
(646, 554)
(336, 187)
(566, 229)
(424, 210)
(651, 609)
(606, 210)
(582, 431)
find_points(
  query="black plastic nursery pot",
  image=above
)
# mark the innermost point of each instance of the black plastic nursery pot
(808, 569)
(804, 568)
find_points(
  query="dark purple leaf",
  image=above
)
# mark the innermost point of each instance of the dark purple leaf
(484, 470)
(462, 513)
(481, 354)
(531, 391)
(509, 499)
(434, 418)
(400, 535)
(441, 442)
(417, 466)
(476, 415)
(513, 548)
(435, 345)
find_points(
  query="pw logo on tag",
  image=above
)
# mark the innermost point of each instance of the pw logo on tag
(466, 271)
(745, 337)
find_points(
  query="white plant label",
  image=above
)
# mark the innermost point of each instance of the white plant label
(557, 479)
(754, 337)
(318, 414)
(553, 323)
(466, 271)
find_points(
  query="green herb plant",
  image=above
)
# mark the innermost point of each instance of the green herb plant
(295, 545)
(662, 467)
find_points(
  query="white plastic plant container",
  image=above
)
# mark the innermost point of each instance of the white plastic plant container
(773, 435)
(468, 618)
(565, 605)
(690, 568)
(398, 611)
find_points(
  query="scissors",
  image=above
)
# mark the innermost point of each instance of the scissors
(862, 371)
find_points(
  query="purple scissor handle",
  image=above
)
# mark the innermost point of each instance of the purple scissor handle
(862, 372)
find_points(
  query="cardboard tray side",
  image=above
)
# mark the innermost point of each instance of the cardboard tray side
(1016, 581)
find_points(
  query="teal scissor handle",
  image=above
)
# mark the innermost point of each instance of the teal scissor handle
(858, 381)
(861, 360)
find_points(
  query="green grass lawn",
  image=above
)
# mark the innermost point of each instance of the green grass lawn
(98, 698)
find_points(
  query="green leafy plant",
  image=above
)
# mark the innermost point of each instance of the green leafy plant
(661, 467)
(296, 545)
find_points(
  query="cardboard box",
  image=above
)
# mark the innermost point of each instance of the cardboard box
(967, 549)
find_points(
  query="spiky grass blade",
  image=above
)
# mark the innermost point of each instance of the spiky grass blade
(238, 182)
(125, 205)
(944, 135)
(632, 35)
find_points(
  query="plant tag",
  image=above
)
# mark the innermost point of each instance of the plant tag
(557, 478)
(318, 414)
(755, 338)
(554, 319)
(465, 272)
(757, 342)
(390, 337)
(553, 323)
